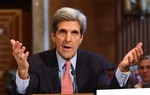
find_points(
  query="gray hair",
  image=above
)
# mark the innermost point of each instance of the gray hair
(69, 14)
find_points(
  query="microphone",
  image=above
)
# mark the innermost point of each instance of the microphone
(74, 81)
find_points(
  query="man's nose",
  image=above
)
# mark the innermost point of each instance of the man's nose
(145, 69)
(68, 37)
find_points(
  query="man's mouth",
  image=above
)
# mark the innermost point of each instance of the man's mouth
(66, 47)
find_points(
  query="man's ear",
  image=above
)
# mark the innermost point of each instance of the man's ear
(81, 39)
(53, 37)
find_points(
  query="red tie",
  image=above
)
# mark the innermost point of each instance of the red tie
(67, 87)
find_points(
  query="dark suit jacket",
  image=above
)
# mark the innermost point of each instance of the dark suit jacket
(90, 73)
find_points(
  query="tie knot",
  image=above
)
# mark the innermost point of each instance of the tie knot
(68, 64)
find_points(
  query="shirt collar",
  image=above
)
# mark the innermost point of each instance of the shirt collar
(62, 61)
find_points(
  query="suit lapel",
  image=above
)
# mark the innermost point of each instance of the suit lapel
(52, 79)
(51, 72)
(82, 71)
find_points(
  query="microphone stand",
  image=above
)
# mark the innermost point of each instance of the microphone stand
(74, 81)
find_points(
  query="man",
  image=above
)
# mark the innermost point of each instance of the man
(44, 72)
(144, 71)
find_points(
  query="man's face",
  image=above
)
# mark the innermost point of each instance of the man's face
(67, 38)
(144, 70)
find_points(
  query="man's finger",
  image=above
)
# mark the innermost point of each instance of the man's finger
(12, 41)
(139, 44)
(25, 55)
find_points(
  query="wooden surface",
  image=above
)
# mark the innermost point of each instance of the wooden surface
(67, 94)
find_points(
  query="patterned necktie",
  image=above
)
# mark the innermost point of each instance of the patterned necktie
(67, 87)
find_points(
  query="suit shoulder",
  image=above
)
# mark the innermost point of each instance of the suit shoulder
(37, 55)
(43, 54)
(86, 53)
(43, 57)
(92, 57)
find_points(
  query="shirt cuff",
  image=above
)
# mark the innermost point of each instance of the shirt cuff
(122, 77)
(21, 84)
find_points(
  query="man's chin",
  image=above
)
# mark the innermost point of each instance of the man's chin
(67, 57)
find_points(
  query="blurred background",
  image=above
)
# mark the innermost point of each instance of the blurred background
(113, 28)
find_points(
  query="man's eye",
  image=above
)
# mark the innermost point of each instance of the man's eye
(148, 67)
(141, 68)
(62, 31)
(75, 32)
